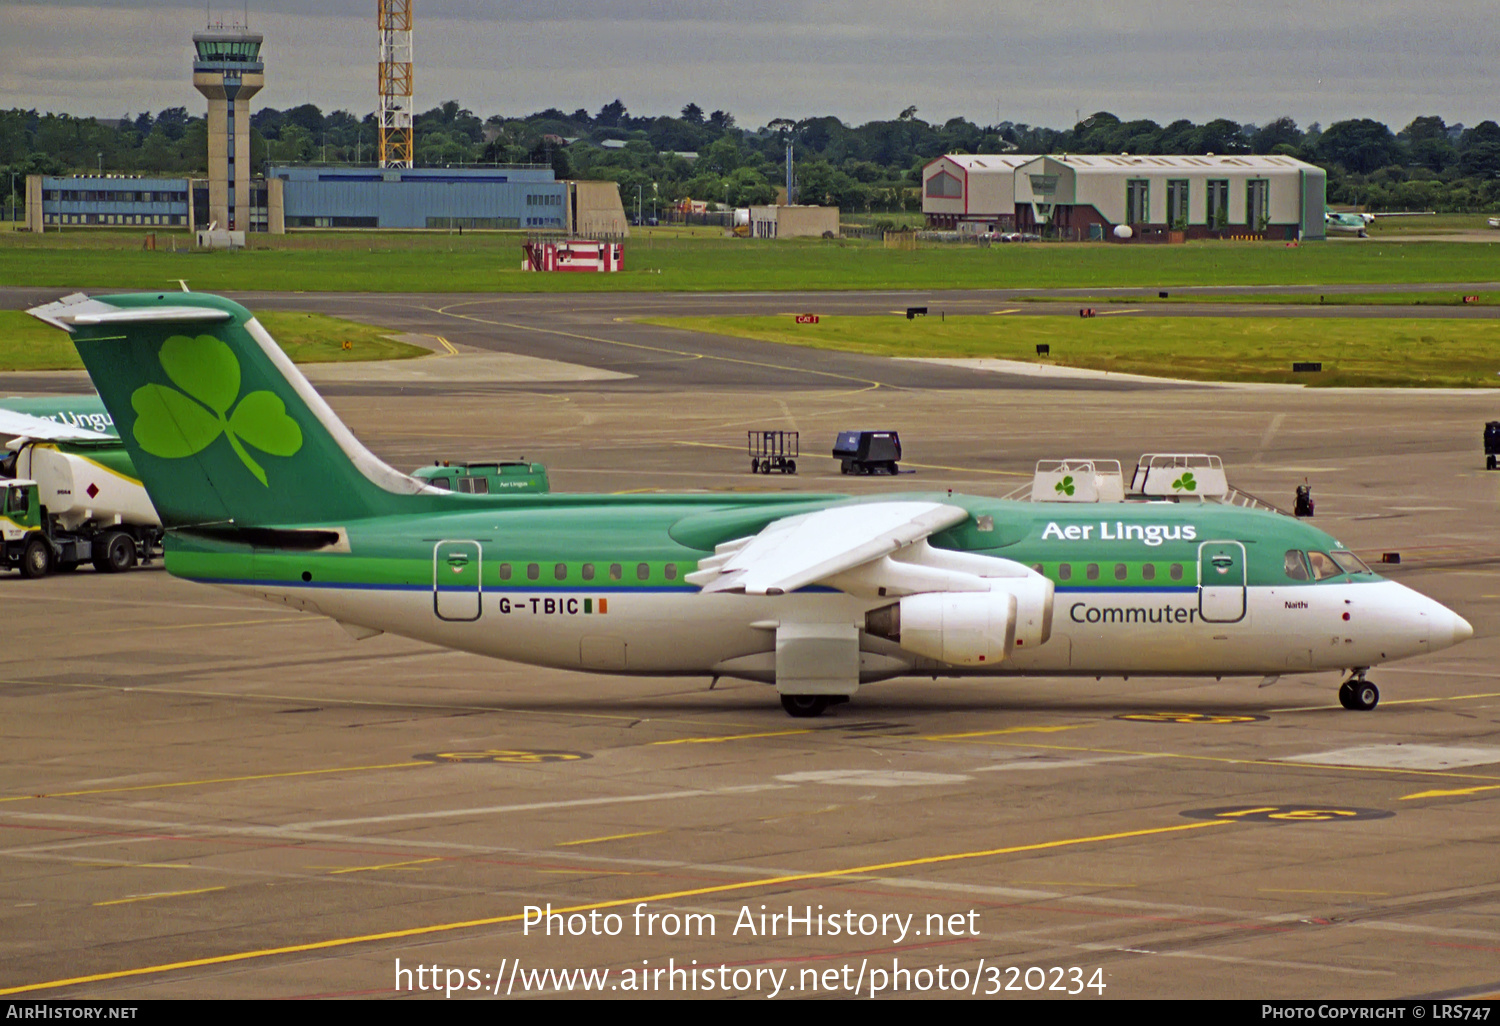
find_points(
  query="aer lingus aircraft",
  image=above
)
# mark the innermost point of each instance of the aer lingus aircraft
(265, 492)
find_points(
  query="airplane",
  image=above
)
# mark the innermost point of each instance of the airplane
(265, 492)
(1358, 224)
(63, 418)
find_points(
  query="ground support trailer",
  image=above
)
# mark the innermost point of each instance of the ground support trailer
(772, 451)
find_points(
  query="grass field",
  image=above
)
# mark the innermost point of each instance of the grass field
(26, 344)
(1480, 298)
(666, 259)
(1428, 224)
(1354, 352)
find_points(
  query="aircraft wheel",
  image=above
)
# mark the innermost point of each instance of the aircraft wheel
(36, 561)
(804, 706)
(116, 553)
(1359, 695)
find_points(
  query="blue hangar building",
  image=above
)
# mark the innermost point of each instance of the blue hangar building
(332, 197)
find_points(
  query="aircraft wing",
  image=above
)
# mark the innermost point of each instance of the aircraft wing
(24, 425)
(796, 551)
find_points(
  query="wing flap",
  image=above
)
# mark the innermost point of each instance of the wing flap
(797, 551)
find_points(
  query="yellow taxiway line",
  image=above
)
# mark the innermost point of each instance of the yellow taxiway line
(153, 897)
(771, 881)
(215, 780)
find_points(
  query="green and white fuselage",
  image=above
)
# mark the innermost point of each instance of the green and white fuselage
(600, 585)
(266, 492)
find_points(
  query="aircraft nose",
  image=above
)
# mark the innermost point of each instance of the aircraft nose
(1462, 630)
(1447, 627)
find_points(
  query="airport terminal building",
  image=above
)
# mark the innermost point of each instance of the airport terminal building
(1160, 198)
(523, 197)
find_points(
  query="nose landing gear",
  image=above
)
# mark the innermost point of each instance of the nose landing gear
(1358, 693)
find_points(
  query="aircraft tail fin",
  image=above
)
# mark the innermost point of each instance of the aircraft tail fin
(222, 427)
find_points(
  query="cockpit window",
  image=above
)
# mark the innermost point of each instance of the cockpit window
(1296, 569)
(1350, 563)
(1323, 566)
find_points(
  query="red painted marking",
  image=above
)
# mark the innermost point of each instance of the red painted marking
(93, 490)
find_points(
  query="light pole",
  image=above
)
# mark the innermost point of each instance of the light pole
(638, 188)
(13, 197)
(101, 165)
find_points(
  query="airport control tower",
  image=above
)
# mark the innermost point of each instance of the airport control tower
(227, 69)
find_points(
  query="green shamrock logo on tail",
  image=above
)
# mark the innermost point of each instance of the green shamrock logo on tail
(173, 424)
(1186, 483)
(1065, 486)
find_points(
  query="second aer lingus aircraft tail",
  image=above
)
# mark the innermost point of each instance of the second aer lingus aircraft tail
(222, 426)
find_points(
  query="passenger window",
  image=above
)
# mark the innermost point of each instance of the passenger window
(588, 571)
(1121, 571)
(1091, 571)
(1176, 572)
(505, 571)
(560, 571)
(642, 571)
(533, 571)
(1148, 571)
(615, 573)
(1065, 571)
(1295, 568)
(1322, 566)
(671, 571)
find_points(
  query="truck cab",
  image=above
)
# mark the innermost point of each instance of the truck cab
(23, 545)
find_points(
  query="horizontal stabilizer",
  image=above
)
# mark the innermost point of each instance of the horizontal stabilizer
(80, 309)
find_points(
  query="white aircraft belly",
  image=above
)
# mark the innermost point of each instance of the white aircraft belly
(673, 632)
(1284, 630)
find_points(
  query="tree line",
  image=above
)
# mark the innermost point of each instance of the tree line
(876, 166)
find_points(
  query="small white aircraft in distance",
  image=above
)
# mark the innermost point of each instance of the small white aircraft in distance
(1352, 223)
(264, 491)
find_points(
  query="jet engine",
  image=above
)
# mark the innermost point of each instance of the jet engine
(969, 628)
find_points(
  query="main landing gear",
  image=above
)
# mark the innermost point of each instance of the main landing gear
(804, 706)
(1358, 693)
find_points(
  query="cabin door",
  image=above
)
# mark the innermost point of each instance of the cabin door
(455, 580)
(1221, 581)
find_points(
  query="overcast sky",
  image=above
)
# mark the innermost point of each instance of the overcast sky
(1033, 61)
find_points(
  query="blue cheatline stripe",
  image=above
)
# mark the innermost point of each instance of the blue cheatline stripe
(427, 587)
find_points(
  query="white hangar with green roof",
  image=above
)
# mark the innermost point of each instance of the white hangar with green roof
(1090, 196)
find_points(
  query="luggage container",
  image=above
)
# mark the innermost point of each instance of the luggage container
(867, 452)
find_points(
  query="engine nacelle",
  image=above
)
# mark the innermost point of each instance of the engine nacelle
(973, 628)
(1033, 607)
(969, 628)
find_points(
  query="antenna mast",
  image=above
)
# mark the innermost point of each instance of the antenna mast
(395, 82)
